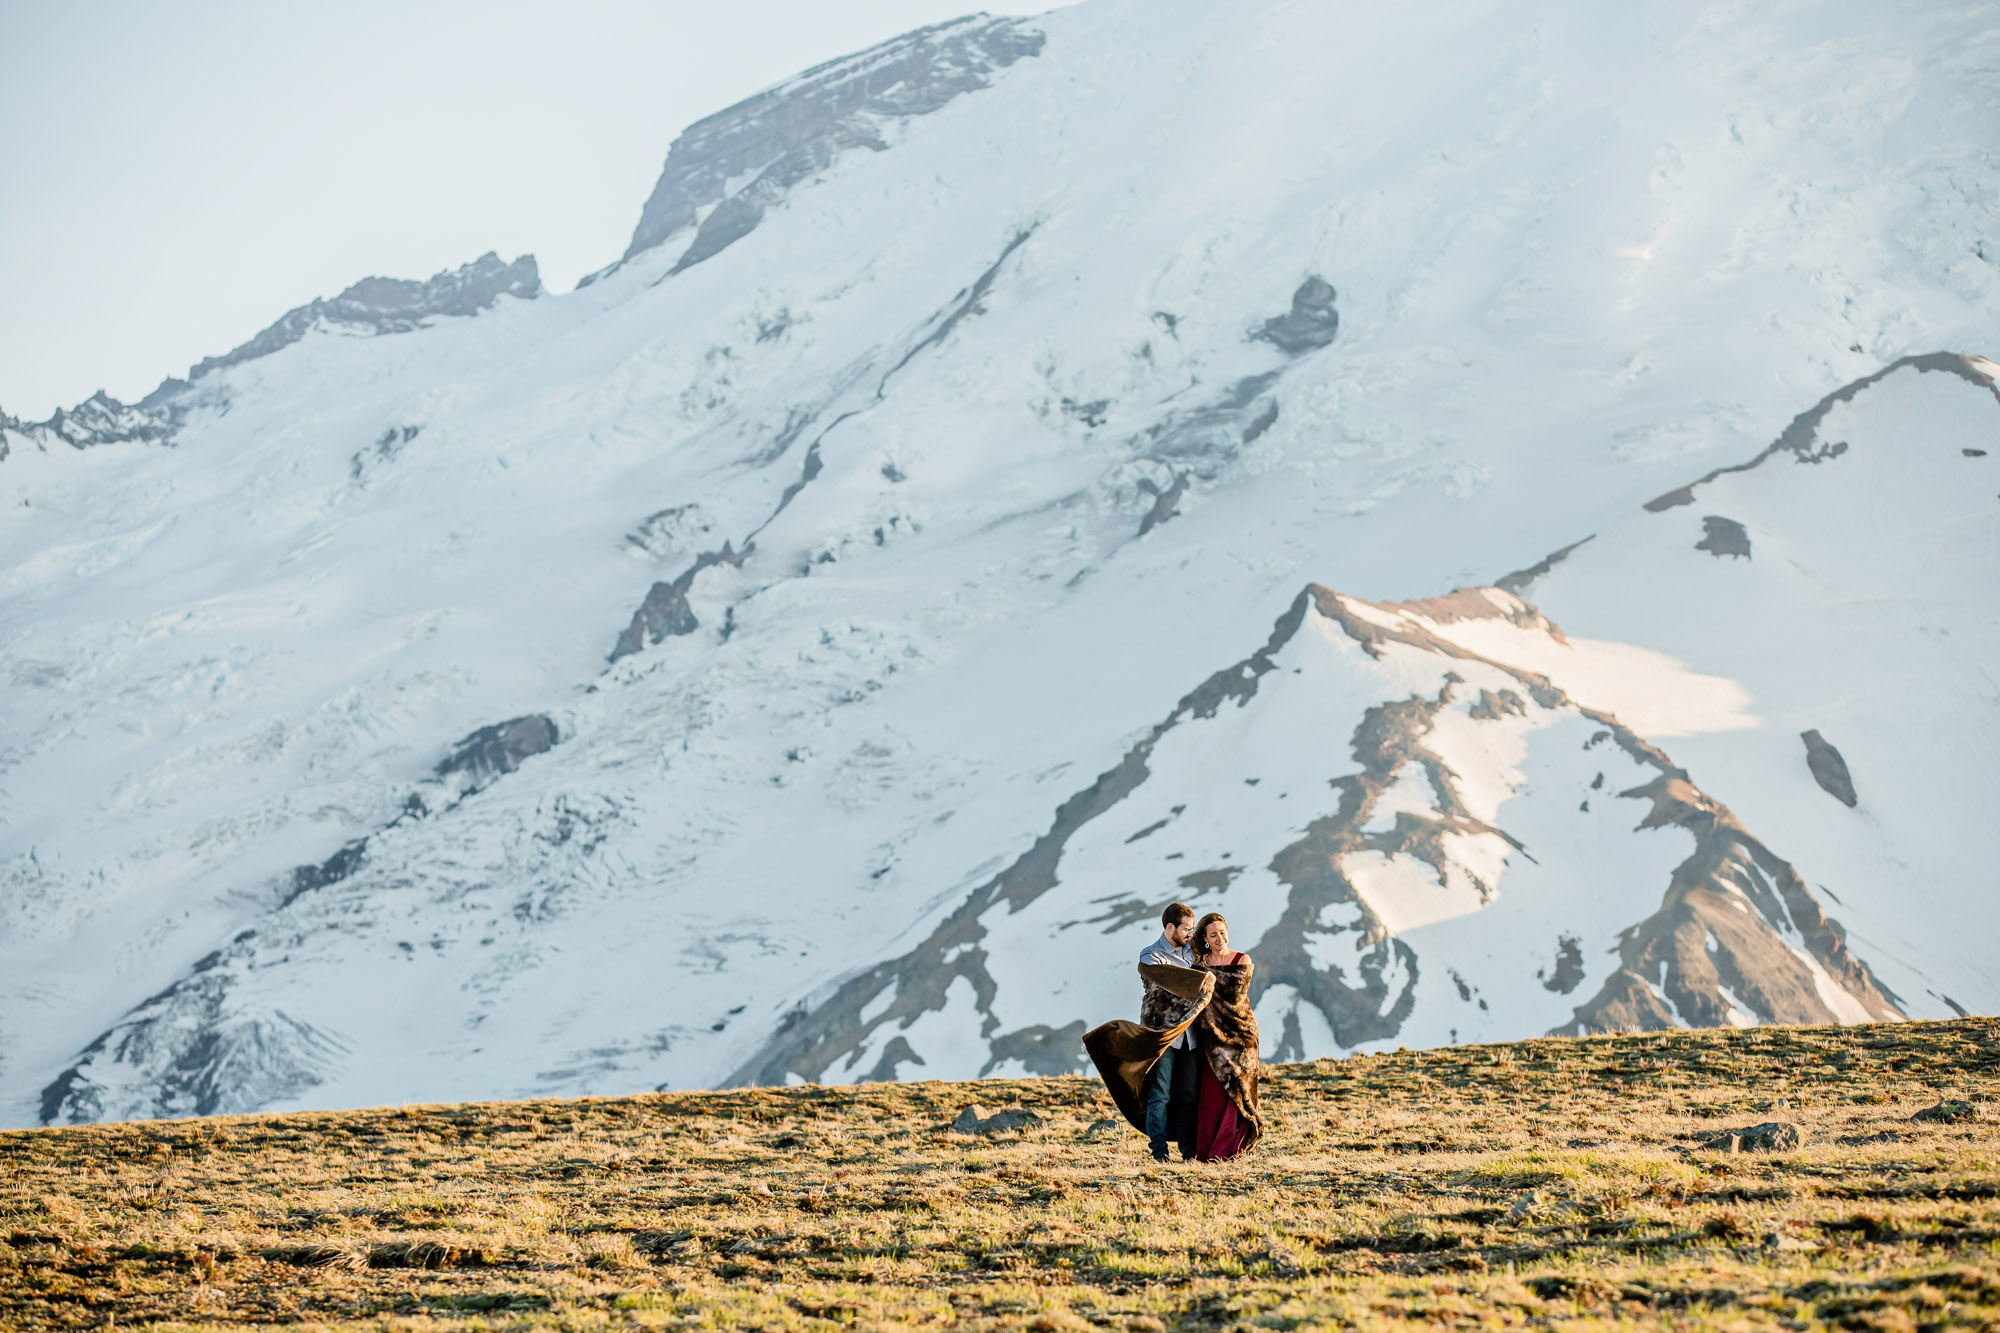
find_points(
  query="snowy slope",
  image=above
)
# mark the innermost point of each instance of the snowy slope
(1857, 607)
(708, 674)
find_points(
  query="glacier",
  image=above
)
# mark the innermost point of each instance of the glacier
(1472, 495)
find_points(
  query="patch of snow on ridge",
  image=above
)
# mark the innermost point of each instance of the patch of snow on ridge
(1844, 1006)
(1740, 1014)
(1405, 893)
(1408, 793)
(1484, 753)
(1654, 694)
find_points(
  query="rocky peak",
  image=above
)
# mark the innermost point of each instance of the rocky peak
(765, 145)
(389, 305)
(98, 419)
(372, 305)
(101, 419)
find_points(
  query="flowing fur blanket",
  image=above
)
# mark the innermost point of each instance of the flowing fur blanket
(1226, 1032)
(1123, 1052)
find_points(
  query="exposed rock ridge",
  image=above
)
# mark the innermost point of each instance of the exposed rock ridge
(372, 305)
(388, 305)
(1521, 580)
(790, 132)
(1682, 964)
(665, 612)
(1798, 437)
(98, 419)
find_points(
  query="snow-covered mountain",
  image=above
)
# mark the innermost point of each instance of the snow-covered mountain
(1502, 504)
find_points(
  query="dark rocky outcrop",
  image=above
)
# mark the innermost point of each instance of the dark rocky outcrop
(1210, 435)
(339, 866)
(98, 419)
(665, 612)
(102, 419)
(1829, 770)
(1039, 1049)
(784, 136)
(1309, 325)
(1520, 580)
(493, 752)
(1165, 502)
(666, 531)
(1491, 707)
(1569, 971)
(1723, 536)
(1264, 420)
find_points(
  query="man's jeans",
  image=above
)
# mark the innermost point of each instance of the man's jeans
(1171, 1089)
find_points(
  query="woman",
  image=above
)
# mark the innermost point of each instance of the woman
(1226, 1118)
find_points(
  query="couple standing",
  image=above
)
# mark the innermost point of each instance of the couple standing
(1188, 1069)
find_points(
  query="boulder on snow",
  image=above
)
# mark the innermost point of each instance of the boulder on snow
(1724, 536)
(1310, 324)
(494, 751)
(1829, 770)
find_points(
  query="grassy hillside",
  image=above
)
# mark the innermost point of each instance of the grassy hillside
(1550, 1180)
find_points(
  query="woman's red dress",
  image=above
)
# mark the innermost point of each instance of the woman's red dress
(1218, 1129)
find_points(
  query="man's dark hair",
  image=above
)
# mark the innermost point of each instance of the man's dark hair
(1176, 912)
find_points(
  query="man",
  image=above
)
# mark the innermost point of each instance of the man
(1174, 1083)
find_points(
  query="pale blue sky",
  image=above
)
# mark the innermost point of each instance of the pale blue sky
(176, 176)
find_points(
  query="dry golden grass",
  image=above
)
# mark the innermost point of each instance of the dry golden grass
(1550, 1181)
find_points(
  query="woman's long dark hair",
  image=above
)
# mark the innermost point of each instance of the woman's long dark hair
(1201, 935)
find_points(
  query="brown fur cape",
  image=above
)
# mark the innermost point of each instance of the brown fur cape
(1226, 1032)
(1124, 1052)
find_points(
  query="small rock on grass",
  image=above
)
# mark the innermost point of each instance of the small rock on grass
(974, 1120)
(1771, 1136)
(1948, 1113)
(1099, 1128)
